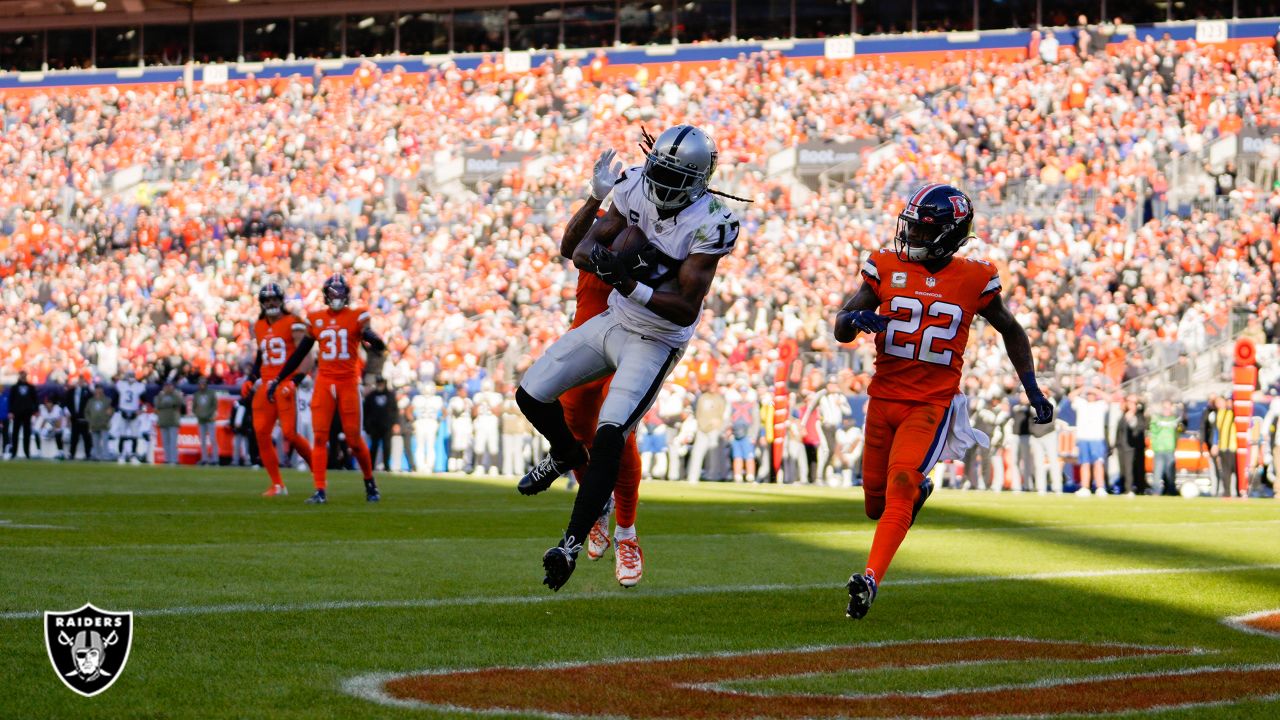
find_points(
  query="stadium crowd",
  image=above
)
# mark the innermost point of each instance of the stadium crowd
(1067, 158)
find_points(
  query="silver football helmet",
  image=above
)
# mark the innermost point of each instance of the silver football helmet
(678, 167)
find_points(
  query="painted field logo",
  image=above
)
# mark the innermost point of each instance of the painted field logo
(695, 686)
(88, 647)
(1266, 622)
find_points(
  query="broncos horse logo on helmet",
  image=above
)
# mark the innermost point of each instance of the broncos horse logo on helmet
(678, 167)
(271, 298)
(935, 224)
(336, 292)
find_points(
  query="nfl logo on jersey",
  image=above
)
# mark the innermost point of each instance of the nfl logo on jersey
(930, 281)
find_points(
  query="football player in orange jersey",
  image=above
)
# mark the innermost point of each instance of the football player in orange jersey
(582, 404)
(340, 330)
(276, 334)
(919, 300)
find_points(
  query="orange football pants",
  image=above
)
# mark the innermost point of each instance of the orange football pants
(582, 413)
(265, 415)
(341, 396)
(903, 442)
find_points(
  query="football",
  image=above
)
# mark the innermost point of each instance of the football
(629, 241)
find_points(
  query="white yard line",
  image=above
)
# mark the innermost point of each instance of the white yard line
(484, 600)
(869, 530)
(11, 525)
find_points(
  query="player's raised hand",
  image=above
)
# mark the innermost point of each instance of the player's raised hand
(605, 174)
(867, 321)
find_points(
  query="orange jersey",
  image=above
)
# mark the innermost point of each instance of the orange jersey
(338, 336)
(920, 355)
(275, 341)
(593, 298)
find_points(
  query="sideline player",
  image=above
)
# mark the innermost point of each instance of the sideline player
(654, 307)
(582, 404)
(919, 300)
(340, 330)
(276, 334)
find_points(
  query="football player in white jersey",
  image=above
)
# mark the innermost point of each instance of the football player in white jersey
(655, 305)
(130, 409)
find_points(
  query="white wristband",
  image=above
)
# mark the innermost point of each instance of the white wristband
(641, 294)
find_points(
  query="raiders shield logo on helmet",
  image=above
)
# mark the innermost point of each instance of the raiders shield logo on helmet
(88, 647)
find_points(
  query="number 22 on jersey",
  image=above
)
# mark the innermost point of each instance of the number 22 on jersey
(903, 339)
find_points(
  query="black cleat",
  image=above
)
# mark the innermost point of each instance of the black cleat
(926, 489)
(862, 592)
(318, 499)
(371, 491)
(558, 563)
(548, 471)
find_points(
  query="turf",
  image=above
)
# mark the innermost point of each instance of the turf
(247, 607)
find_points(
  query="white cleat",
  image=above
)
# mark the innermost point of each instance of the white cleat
(628, 562)
(598, 538)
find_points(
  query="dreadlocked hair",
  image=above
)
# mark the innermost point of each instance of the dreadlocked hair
(727, 195)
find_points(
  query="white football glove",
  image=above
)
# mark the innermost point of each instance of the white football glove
(605, 175)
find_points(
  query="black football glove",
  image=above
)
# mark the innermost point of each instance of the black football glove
(1040, 403)
(609, 266)
(867, 321)
(271, 390)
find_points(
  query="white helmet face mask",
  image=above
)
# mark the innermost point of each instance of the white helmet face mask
(677, 170)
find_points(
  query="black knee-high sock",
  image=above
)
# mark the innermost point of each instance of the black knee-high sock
(548, 419)
(598, 483)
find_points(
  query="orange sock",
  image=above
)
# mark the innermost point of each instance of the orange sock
(300, 446)
(900, 496)
(626, 494)
(270, 461)
(361, 451)
(319, 463)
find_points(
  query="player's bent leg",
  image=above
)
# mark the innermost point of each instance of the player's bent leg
(900, 502)
(875, 458)
(287, 410)
(566, 452)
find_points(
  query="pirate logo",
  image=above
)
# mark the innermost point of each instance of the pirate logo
(88, 647)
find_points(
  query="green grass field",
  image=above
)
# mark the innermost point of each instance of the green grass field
(251, 608)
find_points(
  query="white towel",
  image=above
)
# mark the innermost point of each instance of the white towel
(962, 435)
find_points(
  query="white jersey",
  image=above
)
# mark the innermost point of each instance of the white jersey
(706, 227)
(130, 395)
(50, 419)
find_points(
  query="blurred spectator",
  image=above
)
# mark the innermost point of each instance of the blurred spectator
(169, 406)
(22, 408)
(50, 425)
(1220, 435)
(98, 414)
(76, 401)
(1131, 447)
(379, 421)
(712, 413)
(1163, 433)
(204, 405)
(1091, 438)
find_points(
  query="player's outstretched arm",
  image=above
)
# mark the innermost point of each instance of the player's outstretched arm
(1018, 347)
(601, 234)
(578, 226)
(681, 308)
(372, 341)
(858, 315)
(603, 177)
